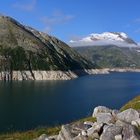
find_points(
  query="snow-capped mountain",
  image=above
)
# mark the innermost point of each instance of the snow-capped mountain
(107, 38)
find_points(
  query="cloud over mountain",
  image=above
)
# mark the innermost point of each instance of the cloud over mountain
(106, 38)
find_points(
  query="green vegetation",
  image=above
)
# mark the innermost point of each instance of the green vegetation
(111, 56)
(91, 119)
(31, 134)
(134, 103)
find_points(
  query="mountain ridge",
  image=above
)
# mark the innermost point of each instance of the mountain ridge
(23, 48)
(111, 56)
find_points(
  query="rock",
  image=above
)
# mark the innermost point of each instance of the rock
(80, 137)
(72, 131)
(118, 137)
(88, 123)
(115, 112)
(128, 115)
(100, 109)
(104, 118)
(83, 133)
(129, 133)
(136, 123)
(96, 128)
(43, 137)
(120, 123)
(110, 132)
(65, 133)
(53, 137)
(110, 125)
(94, 136)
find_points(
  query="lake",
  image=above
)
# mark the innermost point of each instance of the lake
(30, 104)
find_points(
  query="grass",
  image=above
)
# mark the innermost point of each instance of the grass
(134, 103)
(91, 119)
(32, 134)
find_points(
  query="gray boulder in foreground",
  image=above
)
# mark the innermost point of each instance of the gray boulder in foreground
(130, 133)
(100, 109)
(42, 137)
(110, 125)
(104, 118)
(128, 115)
(110, 132)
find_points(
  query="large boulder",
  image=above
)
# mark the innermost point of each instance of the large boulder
(128, 115)
(136, 123)
(43, 137)
(65, 133)
(104, 118)
(73, 131)
(110, 132)
(96, 128)
(130, 133)
(100, 109)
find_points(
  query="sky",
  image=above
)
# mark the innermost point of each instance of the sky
(74, 19)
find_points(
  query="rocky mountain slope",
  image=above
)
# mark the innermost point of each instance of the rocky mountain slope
(25, 49)
(111, 56)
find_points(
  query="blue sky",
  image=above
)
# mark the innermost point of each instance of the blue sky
(71, 19)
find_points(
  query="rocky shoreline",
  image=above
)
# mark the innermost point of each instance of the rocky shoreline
(109, 125)
(48, 75)
(123, 70)
(57, 75)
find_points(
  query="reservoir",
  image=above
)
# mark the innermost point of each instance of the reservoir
(26, 105)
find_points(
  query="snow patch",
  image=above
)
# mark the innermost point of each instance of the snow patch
(106, 38)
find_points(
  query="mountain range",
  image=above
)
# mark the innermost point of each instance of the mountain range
(109, 50)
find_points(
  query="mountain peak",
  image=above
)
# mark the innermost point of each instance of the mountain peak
(110, 35)
(105, 38)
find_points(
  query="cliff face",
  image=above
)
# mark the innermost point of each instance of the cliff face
(25, 49)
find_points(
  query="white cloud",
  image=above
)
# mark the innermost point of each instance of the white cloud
(56, 18)
(88, 41)
(100, 43)
(25, 6)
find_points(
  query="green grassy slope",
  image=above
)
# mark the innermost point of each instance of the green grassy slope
(111, 56)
